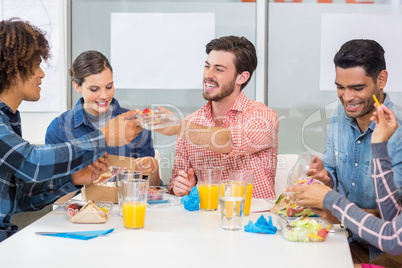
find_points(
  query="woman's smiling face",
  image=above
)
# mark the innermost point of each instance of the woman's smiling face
(97, 91)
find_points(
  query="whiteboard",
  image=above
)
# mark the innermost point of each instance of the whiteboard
(157, 46)
(48, 15)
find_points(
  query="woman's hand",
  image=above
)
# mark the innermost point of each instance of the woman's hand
(385, 124)
(308, 195)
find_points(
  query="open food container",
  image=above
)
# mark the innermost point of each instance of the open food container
(157, 194)
(159, 197)
(79, 211)
(158, 120)
(304, 229)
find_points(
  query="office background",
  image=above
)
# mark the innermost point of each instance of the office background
(288, 39)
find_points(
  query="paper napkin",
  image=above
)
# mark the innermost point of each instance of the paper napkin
(84, 235)
(261, 226)
(191, 202)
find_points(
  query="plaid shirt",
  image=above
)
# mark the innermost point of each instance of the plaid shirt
(32, 177)
(254, 130)
(384, 233)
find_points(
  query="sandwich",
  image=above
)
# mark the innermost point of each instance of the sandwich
(89, 213)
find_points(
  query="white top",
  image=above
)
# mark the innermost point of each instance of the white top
(172, 237)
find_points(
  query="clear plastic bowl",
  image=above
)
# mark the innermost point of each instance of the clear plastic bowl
(157, 194)
(158, 120)
(310, 230)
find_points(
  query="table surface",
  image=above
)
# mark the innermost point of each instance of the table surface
(172, 237)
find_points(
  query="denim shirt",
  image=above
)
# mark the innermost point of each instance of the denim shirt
(347, 156)
(73, 124)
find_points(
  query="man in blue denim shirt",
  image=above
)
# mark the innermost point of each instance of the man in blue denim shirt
(360, 72)
(32, 177)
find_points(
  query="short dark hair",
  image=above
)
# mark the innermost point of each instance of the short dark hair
(364, 53)
(22, 46)
(243, 49)
(88, 63)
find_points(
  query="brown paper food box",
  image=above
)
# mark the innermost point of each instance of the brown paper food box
(105, 193)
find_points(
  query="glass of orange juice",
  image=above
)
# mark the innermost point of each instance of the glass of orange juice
(125, 174)
(208, 187)
(231, 199)
(248, 177)
(134, 201)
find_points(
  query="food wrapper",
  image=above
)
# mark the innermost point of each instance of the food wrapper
(284, 205)
(108, 178)
(297, 176)
(300, 169)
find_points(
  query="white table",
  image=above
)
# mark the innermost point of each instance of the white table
(172, 237)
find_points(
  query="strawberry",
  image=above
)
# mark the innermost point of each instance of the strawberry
(71, 212)
(146, 110)
(75, 206)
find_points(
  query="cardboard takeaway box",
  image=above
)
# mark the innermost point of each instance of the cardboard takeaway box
(106, 193)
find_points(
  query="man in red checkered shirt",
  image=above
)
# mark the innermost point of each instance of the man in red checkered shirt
(229, 131)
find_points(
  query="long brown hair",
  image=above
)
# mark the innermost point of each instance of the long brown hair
(88, 63)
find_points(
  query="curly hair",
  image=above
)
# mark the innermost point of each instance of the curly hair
(22, 46)
(243, 49)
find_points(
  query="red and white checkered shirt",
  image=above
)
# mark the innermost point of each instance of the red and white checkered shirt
(254, 130)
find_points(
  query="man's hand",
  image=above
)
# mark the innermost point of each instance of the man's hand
(183, 183)
(92, 172)
(146, 165)
(121, 130)
(385, 124)
(169, 131)
(318, 172)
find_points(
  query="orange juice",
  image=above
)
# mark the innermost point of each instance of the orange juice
(209, 196)
(134, 215)
(247, 202)
(237, 191)
(229, 209)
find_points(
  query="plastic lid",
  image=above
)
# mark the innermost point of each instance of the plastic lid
(301, 167)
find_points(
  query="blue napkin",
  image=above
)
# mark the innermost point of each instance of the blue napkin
(261, 226)
(84, 235)
(191, 202)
